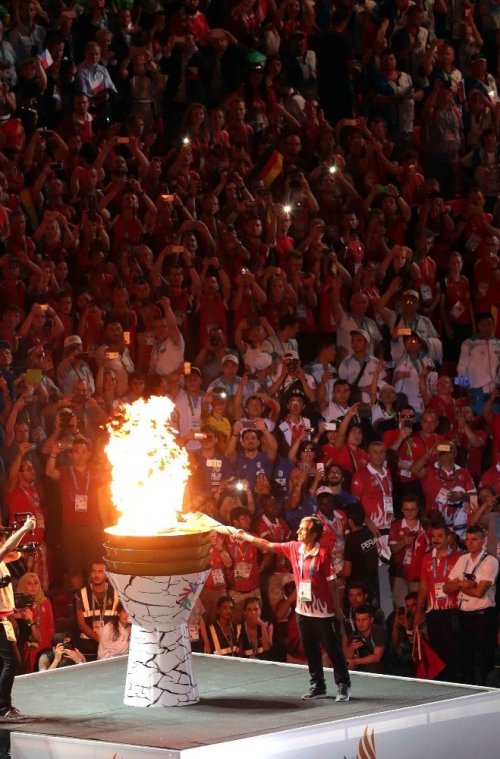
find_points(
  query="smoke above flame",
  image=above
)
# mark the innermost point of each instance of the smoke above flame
(149, 469)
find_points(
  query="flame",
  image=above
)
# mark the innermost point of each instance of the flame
(366, 747)
(149, 469)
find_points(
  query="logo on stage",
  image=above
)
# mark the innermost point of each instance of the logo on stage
(366, 746)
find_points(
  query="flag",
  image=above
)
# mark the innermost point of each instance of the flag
(269, 166)
(46, 59)
(97, 87)
(428, 664)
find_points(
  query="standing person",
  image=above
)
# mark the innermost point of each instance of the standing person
(474, 577)
(9, 653)
(317, 604)
(440, 609)
(402, 537)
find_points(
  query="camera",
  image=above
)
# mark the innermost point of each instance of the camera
(30, 547)
(23, 601)
(5, 581)
(214, 342)
(469, 576)
(292, 364)
(407, 423)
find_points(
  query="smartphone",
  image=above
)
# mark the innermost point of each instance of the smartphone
(177, 248)
(44, 306)
(444, 448)
(187, 367)
(383, 189)
(244, 272)
(167, 198)
(111, 355)
(122, 140)
(403, 332)
(330, 427)
(320, 467)
(401, 610)
(126, 337)
(249, 425)
(364, 410)
(199, 436)
(57, 166)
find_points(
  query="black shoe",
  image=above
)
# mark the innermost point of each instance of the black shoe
(343, 693)
(314, 692)
(12, 714)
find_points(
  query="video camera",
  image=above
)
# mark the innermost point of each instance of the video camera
(23, 601)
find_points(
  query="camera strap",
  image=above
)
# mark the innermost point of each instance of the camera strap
(474, 568)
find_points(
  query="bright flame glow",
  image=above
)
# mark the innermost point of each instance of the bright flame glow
(149, 469)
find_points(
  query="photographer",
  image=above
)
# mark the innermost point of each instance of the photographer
(9, 653)
(37, 617)
(73, 366)
(63, 654)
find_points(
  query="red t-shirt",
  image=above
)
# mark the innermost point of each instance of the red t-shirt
(374, 489)
(276, 532)
(79, 497)
(245, 572)
(27, 499)
(438, 483)
(315, 568)
(435, 570)
(401, 561)
(350, 460)
(216, 580)
(492, 478)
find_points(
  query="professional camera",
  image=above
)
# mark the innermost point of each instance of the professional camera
(5, 581)
(23, 601)
(30, 547)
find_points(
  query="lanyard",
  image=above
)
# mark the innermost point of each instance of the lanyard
(381, 481)
(331, 524)
(435, 567)
(241, 553)
(353, 459)
(33, 499)
(446, 480)
(75, 483)
(312, 566)
(95, 602)
(193, 403)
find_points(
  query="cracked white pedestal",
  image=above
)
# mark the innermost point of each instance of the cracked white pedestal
(160, 666)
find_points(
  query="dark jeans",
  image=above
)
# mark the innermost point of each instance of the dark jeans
(478, 638)
(10, 660)
(443, 628)
(314, 633)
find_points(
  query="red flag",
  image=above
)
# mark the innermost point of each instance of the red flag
(428, 664)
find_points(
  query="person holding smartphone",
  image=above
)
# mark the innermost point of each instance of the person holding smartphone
(10, 657)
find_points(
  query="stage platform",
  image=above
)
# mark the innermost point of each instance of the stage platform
(250, 709)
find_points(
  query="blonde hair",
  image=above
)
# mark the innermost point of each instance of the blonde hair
(23, 583)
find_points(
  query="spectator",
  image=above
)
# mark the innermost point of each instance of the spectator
(115, 635)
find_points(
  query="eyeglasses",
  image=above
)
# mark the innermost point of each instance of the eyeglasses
(308, 450)
(407, 416)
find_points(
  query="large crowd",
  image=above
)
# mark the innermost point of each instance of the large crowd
(284, 216)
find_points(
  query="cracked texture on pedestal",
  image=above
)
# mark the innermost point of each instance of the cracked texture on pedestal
(160, 671)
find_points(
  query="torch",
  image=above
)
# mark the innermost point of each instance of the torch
(156, 563)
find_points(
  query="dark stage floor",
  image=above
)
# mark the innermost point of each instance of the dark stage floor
(238, 699)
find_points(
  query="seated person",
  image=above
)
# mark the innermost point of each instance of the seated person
(115, 635)
(255, 635)
(364, 648)
(62, 654)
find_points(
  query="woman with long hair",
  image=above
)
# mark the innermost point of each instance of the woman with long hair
(255, 636)
(115, 635)
(43, 618)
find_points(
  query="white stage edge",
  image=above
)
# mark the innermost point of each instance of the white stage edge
(464, 727)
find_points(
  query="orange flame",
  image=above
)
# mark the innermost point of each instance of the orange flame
(149, 469)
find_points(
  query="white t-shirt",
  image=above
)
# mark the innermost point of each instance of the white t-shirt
(485, 567)
(166, 357)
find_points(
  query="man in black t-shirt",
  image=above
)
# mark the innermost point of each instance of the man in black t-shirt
(360, 553)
